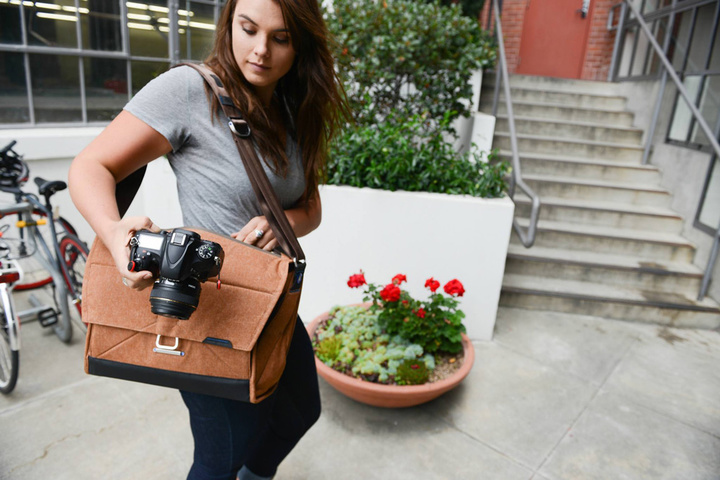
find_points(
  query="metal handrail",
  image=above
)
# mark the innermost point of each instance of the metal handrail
(527, 239)
(669, 70)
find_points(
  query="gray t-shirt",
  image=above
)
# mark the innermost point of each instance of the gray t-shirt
(214, 190)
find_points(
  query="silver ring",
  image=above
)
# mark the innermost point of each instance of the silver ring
(259, 233)
(124, 280)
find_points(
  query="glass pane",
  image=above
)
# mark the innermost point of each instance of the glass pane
(52, 23)
(143, 72)
(10, 24)
(680, 39)
(650, 6)
(680, 126)
(641, 50)
(709, 107)
(710, 209)
(13, 89)
(700, 43)
(628, 42)
(148, 25)
(56, 88)
(715, 55)
(106, 88)
(197, 30)
(101, 26)
(659, 29)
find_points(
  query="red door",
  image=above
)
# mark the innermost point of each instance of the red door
(554, 37)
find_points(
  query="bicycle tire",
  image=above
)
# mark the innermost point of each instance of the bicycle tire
(9, 361)
(75, 254)
(44, 281)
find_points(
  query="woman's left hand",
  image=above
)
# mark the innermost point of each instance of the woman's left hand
(257, 232)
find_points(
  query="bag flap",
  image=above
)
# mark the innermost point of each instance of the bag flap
(253, 280)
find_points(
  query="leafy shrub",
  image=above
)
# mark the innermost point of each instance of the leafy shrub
(393, 155)
(406, 58)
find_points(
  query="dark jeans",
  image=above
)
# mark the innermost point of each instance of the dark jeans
(229, 434)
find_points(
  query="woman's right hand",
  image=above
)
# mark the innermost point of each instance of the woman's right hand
(119, 245)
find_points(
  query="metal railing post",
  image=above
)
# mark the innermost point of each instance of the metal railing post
(528, 238)
(612, 74)
(710, 265)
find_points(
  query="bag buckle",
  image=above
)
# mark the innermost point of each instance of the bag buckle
(168, 349)
(239, 127)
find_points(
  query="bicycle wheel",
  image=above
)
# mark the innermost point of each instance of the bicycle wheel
(9, 360)
(75, 255)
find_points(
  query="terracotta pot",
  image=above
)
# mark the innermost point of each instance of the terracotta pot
(391, 396)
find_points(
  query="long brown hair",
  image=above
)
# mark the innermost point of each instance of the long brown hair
(311, 89)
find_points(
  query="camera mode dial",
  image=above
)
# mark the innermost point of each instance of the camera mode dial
(205, 251)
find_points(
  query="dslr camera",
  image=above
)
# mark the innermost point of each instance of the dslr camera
(180, 260)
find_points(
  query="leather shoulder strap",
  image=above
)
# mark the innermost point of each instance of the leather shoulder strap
(267, 198)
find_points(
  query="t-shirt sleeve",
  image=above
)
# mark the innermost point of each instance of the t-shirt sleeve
(163, 104)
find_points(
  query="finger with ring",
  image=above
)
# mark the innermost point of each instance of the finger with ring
(259, 233)
(125, 282)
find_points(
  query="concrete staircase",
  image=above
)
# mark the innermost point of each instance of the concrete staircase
(607, 242)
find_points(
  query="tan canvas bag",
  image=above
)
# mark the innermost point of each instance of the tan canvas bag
(235, 344)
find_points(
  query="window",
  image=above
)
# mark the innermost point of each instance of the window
(79, 61)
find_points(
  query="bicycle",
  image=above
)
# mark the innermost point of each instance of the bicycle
(9, 334)
(61, 257)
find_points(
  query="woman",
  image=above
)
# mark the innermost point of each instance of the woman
(273, 58)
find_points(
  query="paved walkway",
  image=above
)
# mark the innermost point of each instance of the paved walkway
(554, 396)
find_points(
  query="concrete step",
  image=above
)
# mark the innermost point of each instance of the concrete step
(555, 84)
(602, 213)
(622, 303)
(546, 164)
(604, 268)
(562, 112)
(643, 244)
(571, 129)
(566, 147)
(602, 190)
(611, 103)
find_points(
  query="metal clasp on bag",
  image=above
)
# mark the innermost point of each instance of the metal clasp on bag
(239, 127)
(168, 349)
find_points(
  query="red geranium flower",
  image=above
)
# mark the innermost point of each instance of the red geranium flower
(356, 280)
(391, 293)
(420, 313)
(432, 284)
(399, 278)
(454, 287)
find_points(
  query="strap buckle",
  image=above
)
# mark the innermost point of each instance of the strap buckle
(239, 127)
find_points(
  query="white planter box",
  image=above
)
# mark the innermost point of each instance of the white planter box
(421, 235)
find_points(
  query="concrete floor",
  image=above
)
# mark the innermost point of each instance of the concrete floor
(554, 396)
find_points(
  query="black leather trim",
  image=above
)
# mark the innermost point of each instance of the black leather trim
(231, 388)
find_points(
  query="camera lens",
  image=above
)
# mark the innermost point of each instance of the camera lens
(175, 299)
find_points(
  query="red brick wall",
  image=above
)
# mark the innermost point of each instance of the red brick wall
(600, 42)
(513, 13)
(598, 53)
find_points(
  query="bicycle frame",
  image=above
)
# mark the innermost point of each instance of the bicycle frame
(53, 264)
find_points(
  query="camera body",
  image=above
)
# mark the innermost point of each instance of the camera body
(180, 260)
